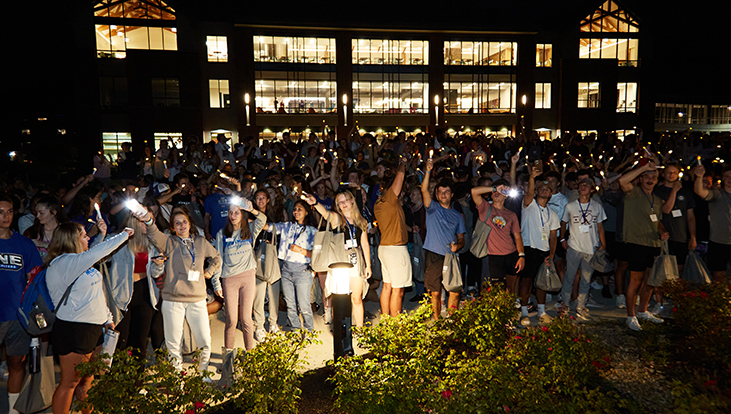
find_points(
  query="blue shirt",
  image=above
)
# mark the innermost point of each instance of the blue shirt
(294, 233)
(441, 227)
(217, 206)
(18, 255)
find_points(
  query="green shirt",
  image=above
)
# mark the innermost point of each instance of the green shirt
(638, 227)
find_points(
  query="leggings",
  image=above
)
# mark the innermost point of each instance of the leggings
(135, 325)
(238, 293)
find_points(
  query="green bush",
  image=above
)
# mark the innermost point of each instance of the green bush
(266, 378)
(474, 362)
(129, 387)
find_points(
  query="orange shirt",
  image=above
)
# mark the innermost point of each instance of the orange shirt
(391, 219)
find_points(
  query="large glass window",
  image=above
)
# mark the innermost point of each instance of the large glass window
(589, 95)
(627, 97)
(390, 52)
(720, 114)
(112, 41)
(217, 47)
(165, 92)
(295, 92)
(174, 139)
(390, 93)
(543, 96)
(112, 143)
(544, 55)
(218, 93)
(113, 91)
(624, 50)
(469, 94)
(670, 113)
(134, 9)
(294, 49)
(480, 53)
(609, 18)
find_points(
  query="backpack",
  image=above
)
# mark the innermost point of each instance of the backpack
(36, 312)
(36, 307)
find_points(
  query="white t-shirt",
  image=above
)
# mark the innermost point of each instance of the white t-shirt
(582, 222)
(536, 224)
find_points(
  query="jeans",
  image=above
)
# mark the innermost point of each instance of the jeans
(173, 315)
(574, 261)
(297, 286)
(263, 289)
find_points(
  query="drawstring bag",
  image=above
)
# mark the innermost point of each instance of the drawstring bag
(665, 267)
(479, 236)
(695, 270)
(451, 275)
(38, 388)
(547, 278)
(417, 259)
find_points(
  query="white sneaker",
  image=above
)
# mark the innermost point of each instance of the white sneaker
(657, 309)
(274, 329)
(517, 303)
(647, 316)
(633, 324)
(260, 334)
(637, 301)
(621, 302)
(583, 314)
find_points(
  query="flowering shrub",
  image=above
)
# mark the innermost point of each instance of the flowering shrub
(130, 387)
(265, 381)
(473, 362)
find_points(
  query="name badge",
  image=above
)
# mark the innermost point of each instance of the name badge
(544, 236)
(584, 228)
(677, 213)
(653, 217)
(351, 244)
(229, 239)
(193, 275)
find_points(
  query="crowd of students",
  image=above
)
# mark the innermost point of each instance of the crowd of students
(208, 209)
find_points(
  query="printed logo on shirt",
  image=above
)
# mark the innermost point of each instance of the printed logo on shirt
(499, 222)
(11, 261)
(681, 198)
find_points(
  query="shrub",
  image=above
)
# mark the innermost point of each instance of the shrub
(473, 362)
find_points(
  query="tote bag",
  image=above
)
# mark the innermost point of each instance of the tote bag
(695, 271)
(479, 236)
(600, 262)
(322, 249)
(417, 259)
(451, 275)
(267, 269)
(547, 278)
(665, 267)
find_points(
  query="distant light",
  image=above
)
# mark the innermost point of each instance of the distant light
(43, 119)
(680, 114)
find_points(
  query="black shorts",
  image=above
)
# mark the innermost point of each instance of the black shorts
(77, 337)
(534, 258)
(611, 244)
(433, 271)
(620, 251)
(718, 256)
(679, 250)
(502, 266)
(560, 252)
(640, 257)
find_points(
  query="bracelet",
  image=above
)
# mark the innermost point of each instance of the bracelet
(494, 189)
(521, 254)
(149, 222)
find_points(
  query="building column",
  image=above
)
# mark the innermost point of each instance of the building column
(344, 78)
(436, 84)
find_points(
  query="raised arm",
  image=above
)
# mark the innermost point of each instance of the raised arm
(398, 182)
(531, 189)
(699, 172)
(334, 219)
(625, 182)
(477, 193)
(425, 184)
(513, 166)
(668, 205)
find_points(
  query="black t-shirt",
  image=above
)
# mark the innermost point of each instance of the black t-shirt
(676, 222)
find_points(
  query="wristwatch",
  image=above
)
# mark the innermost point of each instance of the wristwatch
(521, 254)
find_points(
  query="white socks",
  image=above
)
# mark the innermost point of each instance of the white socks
(541, 309)
(12, 399)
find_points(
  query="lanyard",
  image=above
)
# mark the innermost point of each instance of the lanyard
(351, 229)
(548, 210)
(191, 249)
(296, 236)
(650, 200)
(584, 213)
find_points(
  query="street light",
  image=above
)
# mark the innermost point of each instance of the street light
(342, 309)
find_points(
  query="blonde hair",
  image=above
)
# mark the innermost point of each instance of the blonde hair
(66, 239)
(358, 219)
(139, 241)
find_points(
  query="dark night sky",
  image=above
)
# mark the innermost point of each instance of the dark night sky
(689, 40)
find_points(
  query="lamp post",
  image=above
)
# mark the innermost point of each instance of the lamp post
(342, 309)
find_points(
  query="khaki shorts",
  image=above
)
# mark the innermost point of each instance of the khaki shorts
(395, 265)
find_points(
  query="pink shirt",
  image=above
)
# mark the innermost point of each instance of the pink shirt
(504, 223)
